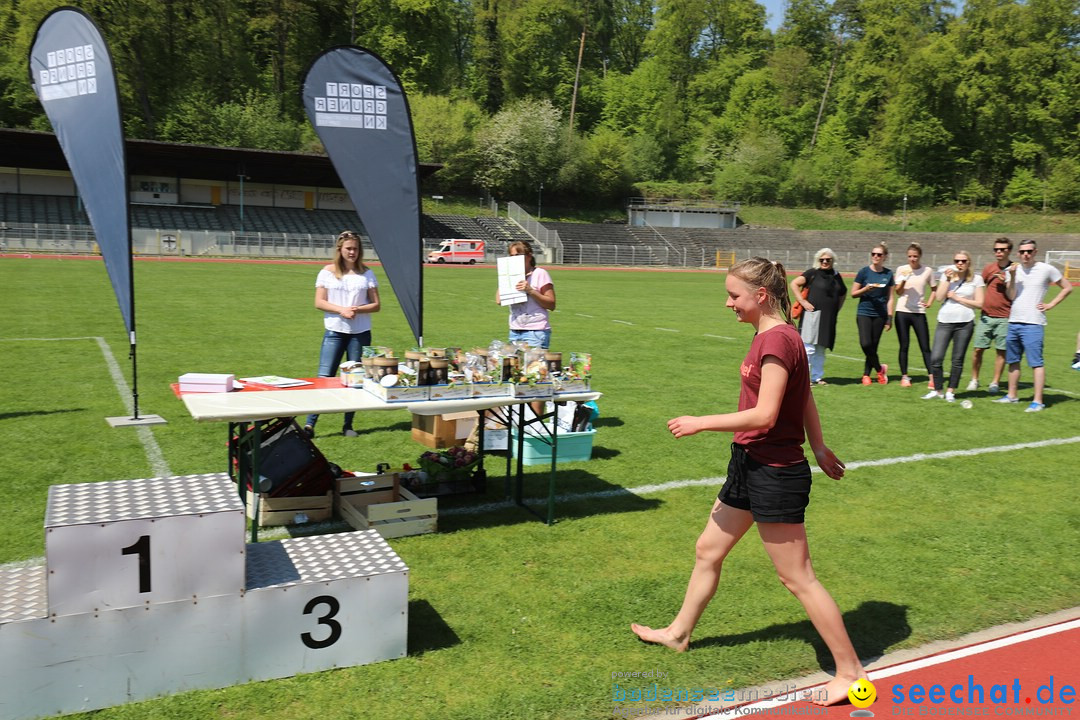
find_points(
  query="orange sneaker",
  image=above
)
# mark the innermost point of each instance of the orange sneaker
(881, 377)
(865, 379)
(905, 381)
(930, 385)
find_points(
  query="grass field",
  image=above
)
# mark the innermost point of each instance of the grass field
(933, 533)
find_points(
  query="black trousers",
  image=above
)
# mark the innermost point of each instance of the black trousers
(905, 323)
(870, 329)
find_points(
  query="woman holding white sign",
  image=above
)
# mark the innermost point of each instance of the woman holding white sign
(529, 320)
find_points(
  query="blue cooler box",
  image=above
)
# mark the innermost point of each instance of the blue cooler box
(573, 447)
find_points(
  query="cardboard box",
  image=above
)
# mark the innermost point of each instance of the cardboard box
(538, 390)
(206, 382)
(379, 502)
(457, 391)
(572, 386)
(396, 394)
(443, 431)
(291, 510)
(490, 390)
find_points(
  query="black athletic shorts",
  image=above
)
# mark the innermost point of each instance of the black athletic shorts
(771, 494)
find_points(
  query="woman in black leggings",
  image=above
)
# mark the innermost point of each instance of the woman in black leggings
(873, 287)
(912, 280)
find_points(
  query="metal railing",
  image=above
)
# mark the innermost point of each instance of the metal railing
(80, 239)
(547, 239)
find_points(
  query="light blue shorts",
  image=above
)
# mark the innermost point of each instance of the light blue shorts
(535, 338)
(1025, 339)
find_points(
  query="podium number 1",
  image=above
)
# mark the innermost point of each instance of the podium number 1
(141, 547)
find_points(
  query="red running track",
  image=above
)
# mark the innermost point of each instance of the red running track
(1032, 674)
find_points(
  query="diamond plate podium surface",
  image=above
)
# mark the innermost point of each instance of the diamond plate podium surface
(320, 559)
(146, 498)
(22, 593)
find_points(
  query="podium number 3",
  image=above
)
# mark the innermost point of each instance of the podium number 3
(141, 547)
(333, 606)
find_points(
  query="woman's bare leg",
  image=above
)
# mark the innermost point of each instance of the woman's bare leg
(787, 547)
(725, 528)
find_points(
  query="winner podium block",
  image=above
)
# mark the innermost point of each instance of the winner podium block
(150, 590)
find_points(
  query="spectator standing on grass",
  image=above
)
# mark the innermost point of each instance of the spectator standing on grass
(960, 293)
(872, 286)
(529, 321)
(825, 296)
(993, 325)
(1028, 284)
(912, 280)
(347, 292)
(768, 479)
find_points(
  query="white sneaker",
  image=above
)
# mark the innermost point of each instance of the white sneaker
(993, 389)
(931, 395)
(949, 397)
(973, 386)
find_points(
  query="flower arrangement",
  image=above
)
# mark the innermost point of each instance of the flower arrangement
(455, 463)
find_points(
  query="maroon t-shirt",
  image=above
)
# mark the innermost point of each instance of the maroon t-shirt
(997, 303)
(782, 445)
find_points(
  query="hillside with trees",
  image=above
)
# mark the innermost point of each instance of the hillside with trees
(854, 103)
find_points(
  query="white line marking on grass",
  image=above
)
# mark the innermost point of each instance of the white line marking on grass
(154, 456)
(666, 329)
(622, 322)
(583, 315)
(719, 337)
(845, 357)
(1063, 392)
(679, 484)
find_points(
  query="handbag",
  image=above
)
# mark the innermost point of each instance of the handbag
(797, 308)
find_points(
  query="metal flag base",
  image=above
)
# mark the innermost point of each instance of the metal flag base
(125, 420)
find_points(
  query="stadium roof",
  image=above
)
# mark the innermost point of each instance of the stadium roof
(40, 150)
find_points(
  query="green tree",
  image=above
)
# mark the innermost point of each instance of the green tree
(445, 131)
(520, 148)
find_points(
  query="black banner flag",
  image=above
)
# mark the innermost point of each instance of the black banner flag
(359, 110)
(72, 73)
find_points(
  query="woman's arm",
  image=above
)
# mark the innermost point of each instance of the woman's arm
(858, 289)
(373, 305)
(942, 290)
(889, 307)
(322, 303)
(544, 297)
(797, 287)
(774, 377)
(826, 459)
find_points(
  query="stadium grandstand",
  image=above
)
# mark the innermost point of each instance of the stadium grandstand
(197, 200)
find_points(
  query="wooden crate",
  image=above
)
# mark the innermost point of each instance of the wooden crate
(283, 510)
(379, 502)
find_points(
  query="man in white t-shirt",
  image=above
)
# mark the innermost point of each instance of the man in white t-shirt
(1027, 287)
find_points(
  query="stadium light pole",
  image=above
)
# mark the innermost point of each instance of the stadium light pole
(904, 225)
(241, 176)
(539, 202)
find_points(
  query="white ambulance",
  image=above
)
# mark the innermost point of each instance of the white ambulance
(458, 251)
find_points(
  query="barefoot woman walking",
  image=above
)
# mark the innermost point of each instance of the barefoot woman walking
(768, 480)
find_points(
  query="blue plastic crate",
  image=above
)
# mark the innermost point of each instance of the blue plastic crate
(572, 447)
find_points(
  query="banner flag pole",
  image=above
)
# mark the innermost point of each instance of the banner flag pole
(73, 76)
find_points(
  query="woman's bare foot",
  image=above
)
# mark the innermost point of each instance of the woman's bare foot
(833, 692)
(662, 637)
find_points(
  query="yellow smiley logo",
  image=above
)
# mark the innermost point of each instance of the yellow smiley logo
(862, 693)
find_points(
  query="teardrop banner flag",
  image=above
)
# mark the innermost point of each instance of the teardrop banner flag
(359, 111)
(72, 74)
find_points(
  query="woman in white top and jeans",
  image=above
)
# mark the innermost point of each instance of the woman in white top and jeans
(911, 283)
(960, 293)
(347, 292)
